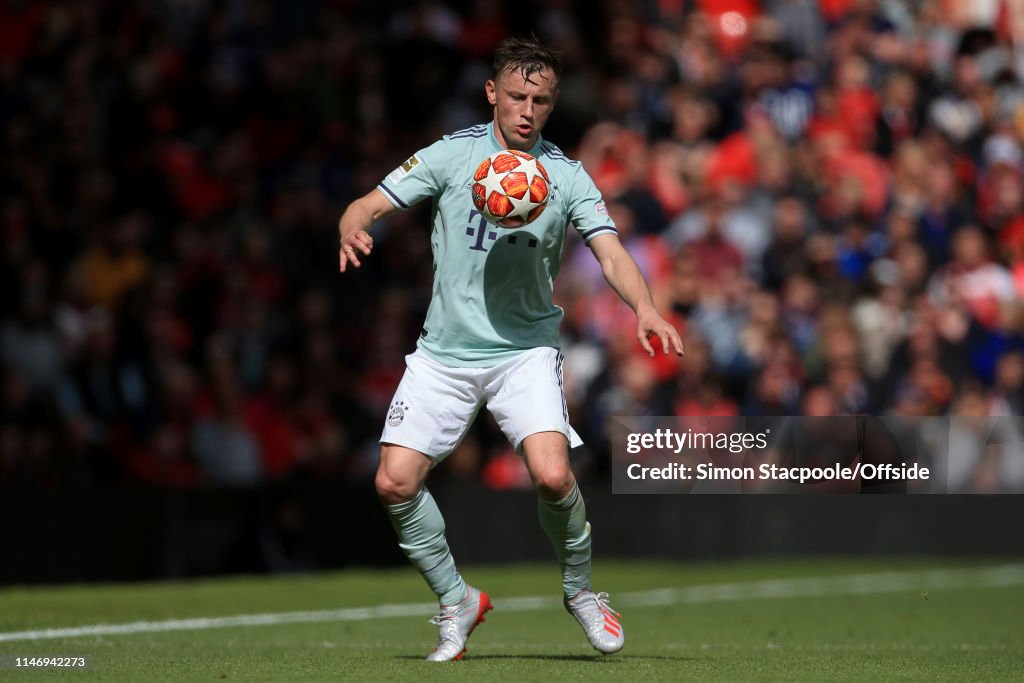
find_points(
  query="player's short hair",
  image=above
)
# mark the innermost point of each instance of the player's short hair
(526, 56)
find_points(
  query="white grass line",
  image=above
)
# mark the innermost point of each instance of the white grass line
(807, 587)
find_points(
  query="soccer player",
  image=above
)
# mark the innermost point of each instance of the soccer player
(491, 338)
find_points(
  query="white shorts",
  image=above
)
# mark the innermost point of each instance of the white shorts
(435, 404)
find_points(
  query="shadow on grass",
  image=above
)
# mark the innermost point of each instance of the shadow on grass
(632, 659)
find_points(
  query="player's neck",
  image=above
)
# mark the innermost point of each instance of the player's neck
(505, 144)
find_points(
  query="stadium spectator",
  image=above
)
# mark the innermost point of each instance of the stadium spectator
(168, 171)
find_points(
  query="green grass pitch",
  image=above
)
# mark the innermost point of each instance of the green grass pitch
(799, 620)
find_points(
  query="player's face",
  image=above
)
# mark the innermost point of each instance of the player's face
(522, 106)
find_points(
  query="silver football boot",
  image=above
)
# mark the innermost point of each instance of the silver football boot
(598, 620)
(457, 623)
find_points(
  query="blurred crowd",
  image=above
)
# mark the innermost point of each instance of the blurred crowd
(825, 196)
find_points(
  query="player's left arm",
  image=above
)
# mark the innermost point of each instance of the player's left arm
(623, 275)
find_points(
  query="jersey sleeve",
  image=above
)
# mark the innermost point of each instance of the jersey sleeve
(422, 175)
(587, 211)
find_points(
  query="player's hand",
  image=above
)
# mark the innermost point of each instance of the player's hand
(649, 325)
(359, 242)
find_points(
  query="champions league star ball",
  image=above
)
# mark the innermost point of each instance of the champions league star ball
(510, 188)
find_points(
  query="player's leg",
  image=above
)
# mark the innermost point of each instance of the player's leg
(420, 528)
(528, 403)
(432, 408)
(560, 507)
(417, 520)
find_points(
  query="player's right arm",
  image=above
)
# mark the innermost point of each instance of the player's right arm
(424, 174)
(354, 226)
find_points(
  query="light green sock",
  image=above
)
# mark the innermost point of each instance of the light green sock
(420, 528)
(565, 523)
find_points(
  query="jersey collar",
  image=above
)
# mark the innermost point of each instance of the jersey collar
(534, 151)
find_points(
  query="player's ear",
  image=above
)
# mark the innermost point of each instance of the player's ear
(492, 95)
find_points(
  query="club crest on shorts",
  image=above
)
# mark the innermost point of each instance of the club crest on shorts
(397, 413)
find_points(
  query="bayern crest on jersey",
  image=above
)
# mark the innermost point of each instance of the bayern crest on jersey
(510, 188)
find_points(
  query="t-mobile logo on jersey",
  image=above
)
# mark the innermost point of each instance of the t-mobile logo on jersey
(479, 228)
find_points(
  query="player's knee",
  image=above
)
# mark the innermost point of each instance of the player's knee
(554, 482)
(394, 490)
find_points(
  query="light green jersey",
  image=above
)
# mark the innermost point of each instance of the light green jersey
(492, 294)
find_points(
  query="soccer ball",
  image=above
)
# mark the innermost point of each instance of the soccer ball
(510, 188)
